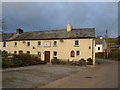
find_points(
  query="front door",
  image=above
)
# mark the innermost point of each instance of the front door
(47, 56)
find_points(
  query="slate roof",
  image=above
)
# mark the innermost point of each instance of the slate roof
(52, 34)
(99, 41)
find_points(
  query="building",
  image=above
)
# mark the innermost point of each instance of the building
(100, 45)
(72, 44)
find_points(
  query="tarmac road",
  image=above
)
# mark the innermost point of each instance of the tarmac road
(102, 75)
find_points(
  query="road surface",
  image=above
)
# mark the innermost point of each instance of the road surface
(102, 75)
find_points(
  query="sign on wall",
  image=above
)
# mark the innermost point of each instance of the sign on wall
(47, 44)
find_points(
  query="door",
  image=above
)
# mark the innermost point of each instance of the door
(47, 56)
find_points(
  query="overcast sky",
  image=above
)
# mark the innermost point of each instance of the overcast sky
(39, 16)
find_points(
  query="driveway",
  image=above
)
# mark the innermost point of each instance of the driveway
(103, 75)
(37, 75)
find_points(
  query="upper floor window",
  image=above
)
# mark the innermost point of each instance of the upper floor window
(4, 44)
(28, 43)
(39, 43)
(77, 53)
(76, 42)
(15, 43)
(55, 54)
(55, 43)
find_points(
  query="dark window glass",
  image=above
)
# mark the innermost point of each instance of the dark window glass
(76, 42)
(15, 44)
(55, 54)
(4, 44)
(28, 52)
(28, 43)
(77, 53)
(55, 43)
(39, 43)
(98, 48)
(15, 52)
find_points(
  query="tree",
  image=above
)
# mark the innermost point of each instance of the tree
(118, 40)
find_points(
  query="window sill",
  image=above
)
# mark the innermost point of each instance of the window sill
(55, 46)
(76, 45)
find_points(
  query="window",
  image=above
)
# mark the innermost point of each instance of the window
(77, 53)
(72, 54)
(28, 52)
(15, 52)
(20, 52)
(55, 54)
(15, 44)
(55, 43)
(4, 44)
(98, 48)
(39, 43)
(76, 42)
(39, 53)
(28, 43)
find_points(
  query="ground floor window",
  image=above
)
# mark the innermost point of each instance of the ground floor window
(77, 53)
(28, 52)
(20, 52)
(55, 54)
(15, 52)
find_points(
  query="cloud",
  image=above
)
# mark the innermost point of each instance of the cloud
(55, 15)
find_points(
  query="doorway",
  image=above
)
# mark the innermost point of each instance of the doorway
(47, 56)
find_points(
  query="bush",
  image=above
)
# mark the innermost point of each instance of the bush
(82, 62)
(17, 60)
(89, 61)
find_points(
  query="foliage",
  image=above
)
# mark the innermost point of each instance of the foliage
(17, 60)
(89, 61)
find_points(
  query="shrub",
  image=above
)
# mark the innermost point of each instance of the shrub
(54, 60)
(82, 62)
(18, 60)
(89, 61)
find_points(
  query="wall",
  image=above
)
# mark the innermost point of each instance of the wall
(63, 48)
(101, 48)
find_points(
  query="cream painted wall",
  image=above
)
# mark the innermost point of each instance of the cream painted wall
(63, 48)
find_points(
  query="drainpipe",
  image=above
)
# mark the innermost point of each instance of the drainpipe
(93, 51)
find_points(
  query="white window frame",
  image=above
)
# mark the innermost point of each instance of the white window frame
(78, 43)
(54, 54)
(38, 43)
(54, 43)
(79, 53)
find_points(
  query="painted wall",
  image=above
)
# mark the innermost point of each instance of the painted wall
(101, 48)
(63, 48)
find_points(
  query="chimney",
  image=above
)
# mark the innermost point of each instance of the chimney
(69, 27)
(19, 31)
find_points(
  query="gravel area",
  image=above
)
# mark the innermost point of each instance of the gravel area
(37, 75)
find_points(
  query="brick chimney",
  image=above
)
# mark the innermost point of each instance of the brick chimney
(19, 31)
(69, 27)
